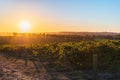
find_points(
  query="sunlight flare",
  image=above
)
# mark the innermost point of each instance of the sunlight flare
(24, 26)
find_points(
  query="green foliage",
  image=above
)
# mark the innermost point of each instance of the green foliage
(70, 55)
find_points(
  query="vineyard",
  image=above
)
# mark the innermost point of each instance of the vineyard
(68, 55)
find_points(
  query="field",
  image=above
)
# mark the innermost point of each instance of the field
(61, 57)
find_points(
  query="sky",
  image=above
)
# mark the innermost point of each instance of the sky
(60, 15)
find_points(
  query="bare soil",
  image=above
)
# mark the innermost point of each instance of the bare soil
(10, 70)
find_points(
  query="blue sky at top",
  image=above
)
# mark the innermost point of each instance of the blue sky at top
(100, 15)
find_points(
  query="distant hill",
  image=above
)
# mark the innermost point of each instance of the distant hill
(90, 33)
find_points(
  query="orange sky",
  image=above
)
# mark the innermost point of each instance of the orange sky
(60, 15)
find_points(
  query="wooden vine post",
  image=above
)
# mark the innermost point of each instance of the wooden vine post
(95, 58)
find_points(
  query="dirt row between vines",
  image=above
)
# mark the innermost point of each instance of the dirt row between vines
(10, 70)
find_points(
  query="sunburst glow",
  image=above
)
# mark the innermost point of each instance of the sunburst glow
(24, 26)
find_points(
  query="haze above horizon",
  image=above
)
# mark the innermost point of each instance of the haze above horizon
(59, 15)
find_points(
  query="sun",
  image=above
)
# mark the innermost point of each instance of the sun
(24, 26)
